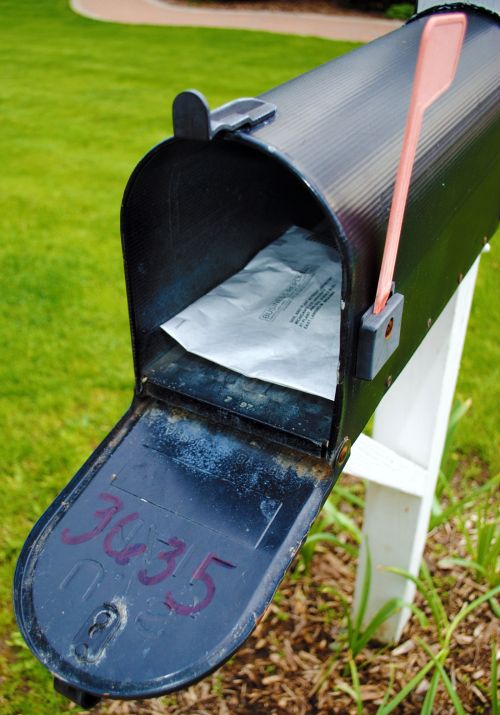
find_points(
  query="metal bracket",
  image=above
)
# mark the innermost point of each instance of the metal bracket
(87, 701)
(379, 337)
(193, 119)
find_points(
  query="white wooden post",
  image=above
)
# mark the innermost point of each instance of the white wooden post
(401, 461)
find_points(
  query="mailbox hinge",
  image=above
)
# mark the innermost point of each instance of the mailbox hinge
(193, 119)
(85, 700)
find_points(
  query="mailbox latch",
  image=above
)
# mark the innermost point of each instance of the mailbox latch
(193, 119)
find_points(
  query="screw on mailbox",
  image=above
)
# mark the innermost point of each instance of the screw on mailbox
(344, 451)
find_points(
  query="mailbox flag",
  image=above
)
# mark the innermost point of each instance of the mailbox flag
(437, 63)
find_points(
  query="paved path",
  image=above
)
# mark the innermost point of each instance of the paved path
(156, 12)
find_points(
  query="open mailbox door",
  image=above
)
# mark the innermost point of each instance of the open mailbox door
(160, 556)
(156, 562)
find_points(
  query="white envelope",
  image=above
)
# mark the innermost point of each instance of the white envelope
(278, 319)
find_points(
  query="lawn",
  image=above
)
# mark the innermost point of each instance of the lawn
(81, 102)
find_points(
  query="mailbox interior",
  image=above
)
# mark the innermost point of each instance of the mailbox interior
(194, 214)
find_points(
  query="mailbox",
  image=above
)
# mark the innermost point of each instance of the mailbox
(158, 559)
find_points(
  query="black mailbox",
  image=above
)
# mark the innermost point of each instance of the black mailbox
(158, 559)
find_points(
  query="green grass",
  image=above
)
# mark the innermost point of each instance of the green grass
(81, 101)
(479, 377)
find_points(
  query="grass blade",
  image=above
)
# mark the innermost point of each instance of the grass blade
(445, 678)
(404, 692)
(352, 693)
(331, 539)
(365, 592)
(495, 607)
(387, 694)
(435, 598)
(430, 696)
(485, 541)
(349, 496)
(461, 504)
(437, 509)
(464, 612)
(466, 563)
(457, 704)
(494, 679)
(386, 611)
(431, 597)
(356, 685)
(447, 464)
(345, 522)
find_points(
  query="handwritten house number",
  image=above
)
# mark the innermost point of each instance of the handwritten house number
(123, 557)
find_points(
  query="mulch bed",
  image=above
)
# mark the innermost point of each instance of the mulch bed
(288, 666)
(325, 7)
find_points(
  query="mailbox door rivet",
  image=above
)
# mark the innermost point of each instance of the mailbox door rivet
(460, 277)
(485, 240)
(344, 451)
(81, 650)
(388, 381)
(429, 322)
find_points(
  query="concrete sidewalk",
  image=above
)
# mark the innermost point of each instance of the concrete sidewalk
(156, 12)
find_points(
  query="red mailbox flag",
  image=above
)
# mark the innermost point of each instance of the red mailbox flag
(437, 62)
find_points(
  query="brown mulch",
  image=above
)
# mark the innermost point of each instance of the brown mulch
(324, 7)
(289, 665)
